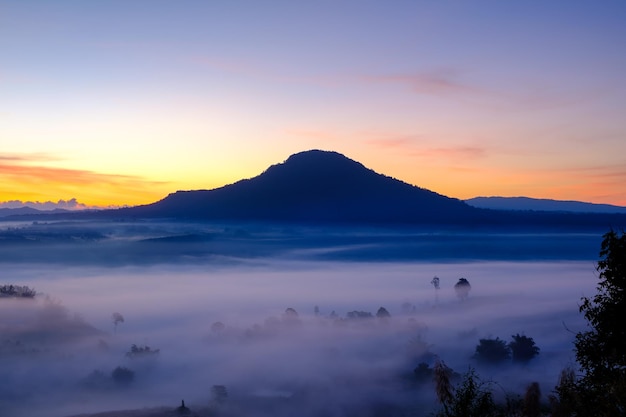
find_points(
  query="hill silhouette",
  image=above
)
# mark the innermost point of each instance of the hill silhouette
(542, 204)
(312, 186)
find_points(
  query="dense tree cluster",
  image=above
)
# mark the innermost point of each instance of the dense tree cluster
(17, 291)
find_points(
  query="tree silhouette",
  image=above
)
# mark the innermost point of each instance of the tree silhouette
(565, 398)
(435, 282)
(117, 319)
(122, 376)
(356, 314)
(471, 398)
(142, 352)
(291, 317)
(601, 351)
(492, 351)
(17, 291)
(523, 348)
(218, 327)
(382, 313)
(532, 401)
(462, 288)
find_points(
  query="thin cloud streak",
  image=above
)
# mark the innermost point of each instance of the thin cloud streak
(409, 145)
(434, 82)
(25, 182)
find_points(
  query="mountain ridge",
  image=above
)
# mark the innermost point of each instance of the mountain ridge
(542, 204)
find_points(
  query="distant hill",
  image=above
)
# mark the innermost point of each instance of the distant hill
(312, 186)
(21, 211)
(525, 203)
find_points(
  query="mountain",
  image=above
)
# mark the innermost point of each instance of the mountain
(312, 186)
(525, 203)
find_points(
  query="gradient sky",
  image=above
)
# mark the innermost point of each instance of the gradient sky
(122, 102)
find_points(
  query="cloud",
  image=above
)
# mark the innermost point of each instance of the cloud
(27, 173)
(71, 204)
(24, 177)
(410, 145)
(433, 82)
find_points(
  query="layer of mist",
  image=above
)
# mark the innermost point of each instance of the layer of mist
(122, 243)
(282, 335)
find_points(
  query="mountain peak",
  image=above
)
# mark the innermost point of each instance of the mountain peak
(315, 186)
(319, 160)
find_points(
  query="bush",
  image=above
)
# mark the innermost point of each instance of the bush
(523, 348)
(359, 315)
(471, 398)
(462, 288)
(382, 313)
(122, 376)
(492, 351)
(142, 352)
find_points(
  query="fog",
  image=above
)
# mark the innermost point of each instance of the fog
(58, 350)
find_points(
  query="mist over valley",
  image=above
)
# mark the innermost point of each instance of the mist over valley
(318, 288)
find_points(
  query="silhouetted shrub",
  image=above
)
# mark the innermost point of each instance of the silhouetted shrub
(423, 372)
(565, 399)
(471, 398)
(290, 312)
(96, 380)
(382, 313)
(142, 352)
(492, 351)
(359, 315)
(532, 404)
(462, 288)
(117, 318)
(523, 348)
(122, 376)
(217, 327)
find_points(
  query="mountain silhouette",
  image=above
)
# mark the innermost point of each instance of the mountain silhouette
(542, 204)
(312, 186)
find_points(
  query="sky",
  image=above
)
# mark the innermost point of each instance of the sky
(121, 103)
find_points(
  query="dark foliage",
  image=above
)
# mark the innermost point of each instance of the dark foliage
(492, 351)
(471, 398)
(565, 399)
(218, 327)
(532, 401)
(122, 376)
(382, 313)
(601, 351)
(17, 291)
(462, 288)
(142, 352)
(359, 315)
(423, 372)
(523, 348)
(96, 380)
